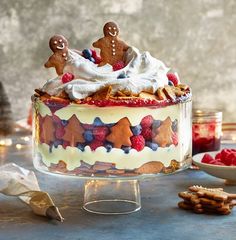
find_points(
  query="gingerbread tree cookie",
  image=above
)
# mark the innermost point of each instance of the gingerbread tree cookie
(112, 48)
(74, 132)
(47, 133)
(120, 133)
(164, 133)
(59, 45)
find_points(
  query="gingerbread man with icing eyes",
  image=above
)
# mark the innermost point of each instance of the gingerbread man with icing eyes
(59, 45)
(112, 48)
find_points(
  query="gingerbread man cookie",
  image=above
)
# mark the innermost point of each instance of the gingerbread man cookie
(59, 45)
(112, 48)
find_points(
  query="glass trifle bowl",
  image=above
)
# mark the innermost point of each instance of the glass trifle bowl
(113, 117)
(112, 147)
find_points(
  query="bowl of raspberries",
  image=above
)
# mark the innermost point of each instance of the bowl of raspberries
(218, 164)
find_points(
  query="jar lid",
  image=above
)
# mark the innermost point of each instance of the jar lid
(207, 113)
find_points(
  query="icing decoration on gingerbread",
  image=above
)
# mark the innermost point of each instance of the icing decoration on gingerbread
(59, 45)
(111, 47)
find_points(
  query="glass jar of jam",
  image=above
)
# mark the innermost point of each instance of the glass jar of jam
(206, 130)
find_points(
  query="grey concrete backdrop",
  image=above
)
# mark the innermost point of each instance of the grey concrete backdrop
(197, 38)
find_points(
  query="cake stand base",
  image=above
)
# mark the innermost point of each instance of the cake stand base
(112, 196)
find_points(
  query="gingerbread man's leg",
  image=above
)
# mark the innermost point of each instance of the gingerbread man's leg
(101, 64)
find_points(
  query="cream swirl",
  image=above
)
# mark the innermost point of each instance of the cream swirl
(142, 73)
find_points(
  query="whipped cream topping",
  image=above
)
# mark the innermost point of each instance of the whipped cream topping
(142, 73)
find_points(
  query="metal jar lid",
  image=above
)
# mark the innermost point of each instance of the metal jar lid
(207, 114)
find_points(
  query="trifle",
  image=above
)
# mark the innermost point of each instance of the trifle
(119, 112)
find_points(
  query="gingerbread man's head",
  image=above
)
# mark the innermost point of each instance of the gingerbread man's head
(110, 29)
(58, 43)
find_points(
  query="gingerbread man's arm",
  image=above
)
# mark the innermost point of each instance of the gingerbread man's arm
(49, 63)
(125, 46)
(56, 62)
(97, 44)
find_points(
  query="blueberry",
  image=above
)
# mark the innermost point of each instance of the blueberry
(152, 145)
(57, 143)
(136, 130)
(64, 122)
(88, 135)
(109, 125)
(81, 146)
(175, 125)
(122, 75)
(92, 59)
(108, 146)
(87, 53)
(156, 124)
(97, 122)
(170, 83)
(126, 149)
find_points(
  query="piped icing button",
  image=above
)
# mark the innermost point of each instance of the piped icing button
(112, 41)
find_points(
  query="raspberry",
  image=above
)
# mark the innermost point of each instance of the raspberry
(96, 57)
(67, 77)
(233, 162)
(100, 133)
(138, 142)
(65, 144)
(56, 119)
(173, 78)
(175, 139)
(224, 153)
(207, 158)
(218, 157)
(147, 133)
(218, 163)
(147, 121)
(95, 144)
(230, 158)
(119, 65)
